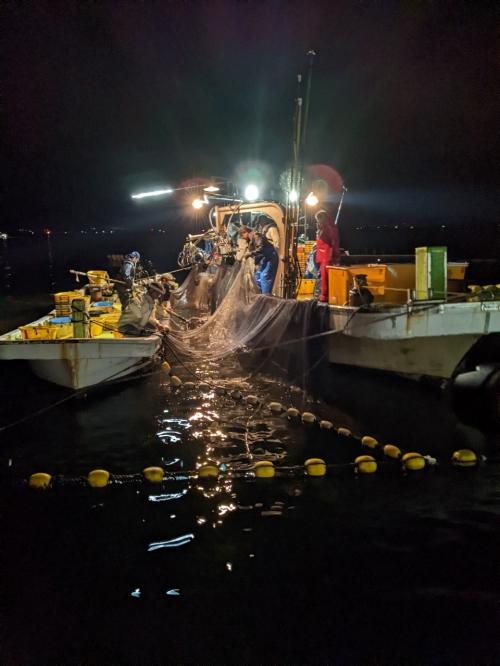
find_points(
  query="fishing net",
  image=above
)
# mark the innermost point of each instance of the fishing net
(259, 328)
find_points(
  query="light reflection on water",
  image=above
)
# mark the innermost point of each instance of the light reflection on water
(171, 543)
(287, 542)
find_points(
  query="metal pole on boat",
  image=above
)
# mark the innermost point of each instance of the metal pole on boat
(344, 190)
(311, 55)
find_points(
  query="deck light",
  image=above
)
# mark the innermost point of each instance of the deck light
(293, 196)
(198, 203)
(312, 199)
(152, 193)
(211, 188)
(251, 192)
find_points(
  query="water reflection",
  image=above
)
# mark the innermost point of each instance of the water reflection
(166, 497)
(171, 543)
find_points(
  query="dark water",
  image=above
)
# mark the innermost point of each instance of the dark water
(385, 569)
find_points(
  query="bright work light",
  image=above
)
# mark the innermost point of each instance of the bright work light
(251, 192)
(198, 203)
(293, 195)
(152, 193)
(312, 199)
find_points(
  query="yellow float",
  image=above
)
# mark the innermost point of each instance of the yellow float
(264, 469)
(392, 451)
(40, 481)
(413, 462)
(98, 478)
(464, 458)
(366, 464)
(208, 472)
(153, 474)
(315, 467)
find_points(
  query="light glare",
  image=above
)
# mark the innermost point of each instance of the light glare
(293, 196)
(198, 203)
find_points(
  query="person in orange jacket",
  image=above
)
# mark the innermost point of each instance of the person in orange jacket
(327, 248)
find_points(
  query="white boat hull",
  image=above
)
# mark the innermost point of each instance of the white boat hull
(79, 363)
(426, 340)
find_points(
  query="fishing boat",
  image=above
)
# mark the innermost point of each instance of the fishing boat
(79, 351)
(421, 320)
(80, 362)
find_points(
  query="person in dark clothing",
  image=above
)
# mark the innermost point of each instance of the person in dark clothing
(266, 226)
(266, 258)
(126, 276)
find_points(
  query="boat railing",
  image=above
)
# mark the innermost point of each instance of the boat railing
(411, 300)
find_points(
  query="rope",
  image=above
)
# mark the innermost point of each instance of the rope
(238, 471)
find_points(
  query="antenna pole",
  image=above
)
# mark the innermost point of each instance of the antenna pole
(310, 55)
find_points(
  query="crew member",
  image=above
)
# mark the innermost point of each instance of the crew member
(327, 248)
(163, 306)
(126, 276)
(138, 318)
(266, 226)
(265, 255)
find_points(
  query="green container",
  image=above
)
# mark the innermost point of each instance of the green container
(80, 318)
(431, 273)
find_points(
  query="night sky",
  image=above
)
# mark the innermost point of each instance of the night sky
(103, 99)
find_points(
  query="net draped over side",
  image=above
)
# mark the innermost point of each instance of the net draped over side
(244, 320)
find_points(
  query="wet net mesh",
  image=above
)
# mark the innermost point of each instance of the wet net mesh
(234, 318)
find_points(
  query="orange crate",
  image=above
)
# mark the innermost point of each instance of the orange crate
(339, 283)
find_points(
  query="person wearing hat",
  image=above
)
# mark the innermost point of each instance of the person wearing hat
(126, 276)
(327, 248)
(265, 255)
(138, 318)
(267, 227)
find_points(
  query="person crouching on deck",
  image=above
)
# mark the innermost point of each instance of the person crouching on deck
(266, 258)
(327, 248)
(138, 318)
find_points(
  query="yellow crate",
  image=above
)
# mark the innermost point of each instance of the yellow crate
(97, 327)
(98, 277)
(109, 335)
(64, 299)
(67, 296)
(63, 330)
(38, 332)
(306, 287)
(104, 324)
(375, 273)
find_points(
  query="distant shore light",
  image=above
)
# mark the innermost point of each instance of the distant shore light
(151, 193)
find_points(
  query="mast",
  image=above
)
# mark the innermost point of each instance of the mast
(293, 206)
